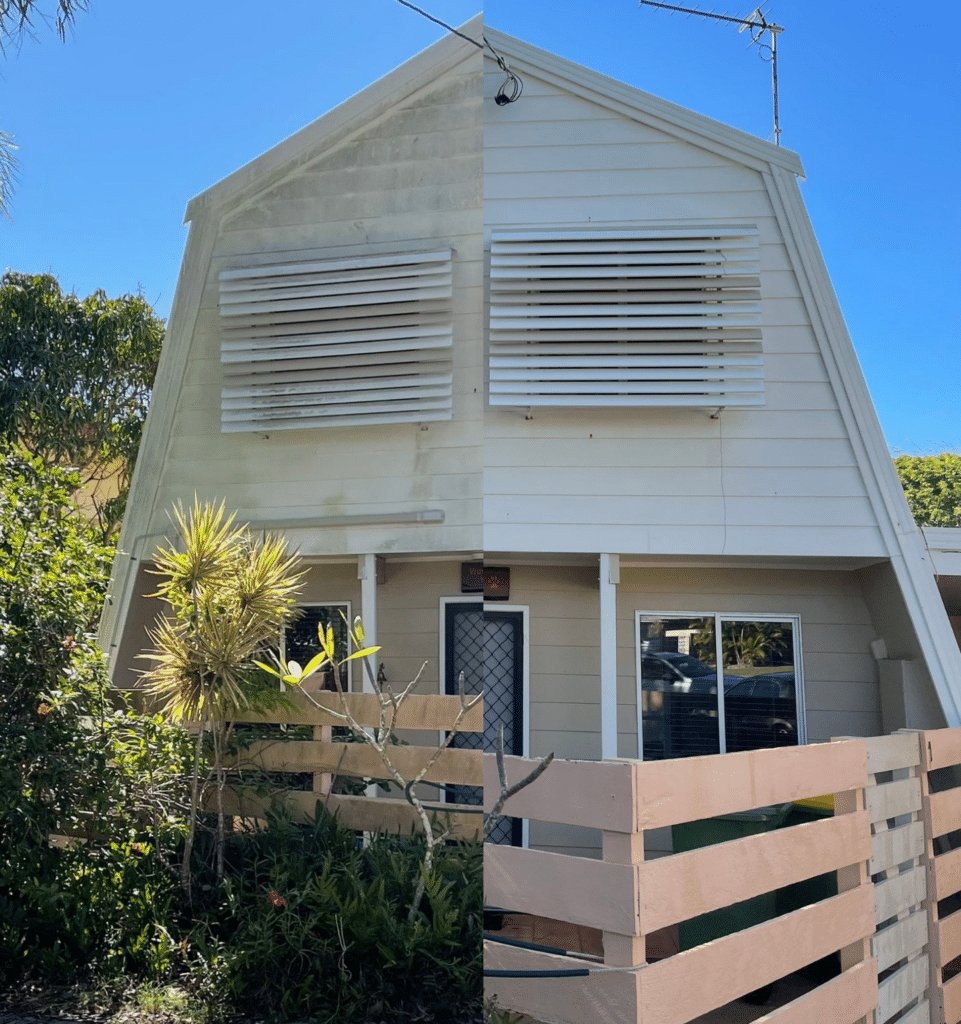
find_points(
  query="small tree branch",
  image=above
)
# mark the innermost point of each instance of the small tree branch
(506, 792)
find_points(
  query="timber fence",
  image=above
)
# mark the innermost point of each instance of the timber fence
(421, 719)
(870, 892)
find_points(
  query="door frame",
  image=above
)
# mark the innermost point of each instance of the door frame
(525, 674)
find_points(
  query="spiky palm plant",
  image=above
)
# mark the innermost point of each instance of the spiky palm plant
(228, 599)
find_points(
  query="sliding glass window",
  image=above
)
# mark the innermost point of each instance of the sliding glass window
(682, 711)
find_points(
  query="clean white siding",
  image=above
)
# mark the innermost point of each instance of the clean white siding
(781, 479)
(407, 181)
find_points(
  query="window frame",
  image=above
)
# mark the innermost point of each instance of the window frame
(720, 618)
(344, 606)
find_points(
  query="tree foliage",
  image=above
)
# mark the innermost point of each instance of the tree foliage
(932, 485)
(75, 381)
(71, 762)
(228, 599)
(19, 16)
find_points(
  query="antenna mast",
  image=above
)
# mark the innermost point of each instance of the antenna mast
(757, 24)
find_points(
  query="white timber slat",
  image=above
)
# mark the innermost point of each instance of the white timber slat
(337, 342)
(636, 317)
(901, 988)
(901, 940)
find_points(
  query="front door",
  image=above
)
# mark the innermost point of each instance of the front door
(487, 646)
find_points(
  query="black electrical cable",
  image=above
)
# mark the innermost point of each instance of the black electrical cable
(513, 82)
(443, 24)
(537, 974)
(503, 940)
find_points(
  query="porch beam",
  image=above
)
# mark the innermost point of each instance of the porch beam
(609, 577)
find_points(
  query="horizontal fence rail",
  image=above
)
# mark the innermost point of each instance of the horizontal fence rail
(870, 919)
(327, 758)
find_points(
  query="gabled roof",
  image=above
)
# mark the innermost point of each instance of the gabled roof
(641, 106)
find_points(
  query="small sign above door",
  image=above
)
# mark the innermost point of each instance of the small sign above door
(493, 582)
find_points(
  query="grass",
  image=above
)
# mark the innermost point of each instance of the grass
(145, 1004)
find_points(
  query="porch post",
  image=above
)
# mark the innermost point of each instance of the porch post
(367, 574)
(609, 577)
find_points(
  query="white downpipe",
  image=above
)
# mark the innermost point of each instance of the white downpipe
(609, 576)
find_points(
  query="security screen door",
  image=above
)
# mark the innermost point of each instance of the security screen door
(487, 646)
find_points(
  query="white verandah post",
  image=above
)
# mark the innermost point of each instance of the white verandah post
(609, 577)
(367, 574)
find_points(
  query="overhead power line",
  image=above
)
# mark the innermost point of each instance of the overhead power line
(511, 89)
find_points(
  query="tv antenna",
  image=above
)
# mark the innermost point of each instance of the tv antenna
(757, 24)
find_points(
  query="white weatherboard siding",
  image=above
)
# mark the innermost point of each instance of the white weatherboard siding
(778, 479)
(400, 185)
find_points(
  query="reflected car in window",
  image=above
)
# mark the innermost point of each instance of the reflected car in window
(761, 711)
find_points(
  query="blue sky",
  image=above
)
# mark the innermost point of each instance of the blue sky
(146, 105)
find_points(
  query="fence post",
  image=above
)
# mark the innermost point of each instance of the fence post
(938, 1012)
(853, 876)
(624, 950)
(323, 781)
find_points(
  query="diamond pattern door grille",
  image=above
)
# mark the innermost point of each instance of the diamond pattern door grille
(486, 647)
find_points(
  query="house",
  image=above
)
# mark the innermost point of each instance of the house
(586, 338)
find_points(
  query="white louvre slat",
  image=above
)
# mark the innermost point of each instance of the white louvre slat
(659, 232)
(310, 377)
(346, 391)
(623, 362)
(352, 420)
(351, 263)
(328, 343)
(658, 316)
(340, 301)
(721, 397)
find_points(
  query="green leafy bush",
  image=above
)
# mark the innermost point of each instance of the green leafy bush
(308, 922)
(71, 764)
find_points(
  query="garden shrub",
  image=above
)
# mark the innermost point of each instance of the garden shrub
(306, 924)
(71, 763)
(309, 922)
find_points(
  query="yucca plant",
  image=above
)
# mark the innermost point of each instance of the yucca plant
(228, 599)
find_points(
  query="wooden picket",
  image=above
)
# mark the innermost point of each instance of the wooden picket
(898, 865)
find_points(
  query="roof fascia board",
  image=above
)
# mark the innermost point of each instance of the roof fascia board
(651, 110)
(909, 557)
(148, 471)
(346, 117)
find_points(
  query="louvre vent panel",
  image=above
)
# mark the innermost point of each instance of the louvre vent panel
(337, 343)
(659, 316)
